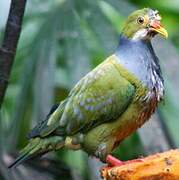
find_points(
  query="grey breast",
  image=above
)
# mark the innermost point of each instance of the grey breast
(139, 58)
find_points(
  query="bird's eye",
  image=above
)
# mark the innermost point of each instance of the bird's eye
(140, 20)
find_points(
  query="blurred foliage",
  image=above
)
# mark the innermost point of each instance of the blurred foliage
(60, 42)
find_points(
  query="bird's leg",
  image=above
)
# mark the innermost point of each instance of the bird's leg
(112, 161)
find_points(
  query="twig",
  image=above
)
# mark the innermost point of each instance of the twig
(9, 44)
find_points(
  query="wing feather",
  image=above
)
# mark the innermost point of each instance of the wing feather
(101, 96)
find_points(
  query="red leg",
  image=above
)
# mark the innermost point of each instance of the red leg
(112, 161)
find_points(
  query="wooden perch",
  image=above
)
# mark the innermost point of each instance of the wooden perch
(161, 166)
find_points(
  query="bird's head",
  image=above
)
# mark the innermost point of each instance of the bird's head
(143, 25)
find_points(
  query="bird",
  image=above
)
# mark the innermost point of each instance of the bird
(110, 102)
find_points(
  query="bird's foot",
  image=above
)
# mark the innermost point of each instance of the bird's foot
(112, 161)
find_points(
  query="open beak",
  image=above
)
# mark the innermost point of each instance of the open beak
(157, 27)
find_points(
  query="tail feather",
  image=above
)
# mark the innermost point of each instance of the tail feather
(22, 158)
(38, 146)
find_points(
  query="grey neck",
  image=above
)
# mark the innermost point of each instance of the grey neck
(139, 58)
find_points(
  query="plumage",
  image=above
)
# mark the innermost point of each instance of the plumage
(111, 101)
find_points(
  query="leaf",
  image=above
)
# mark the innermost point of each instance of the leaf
(104, 33)
(112, 14)
(75, 51)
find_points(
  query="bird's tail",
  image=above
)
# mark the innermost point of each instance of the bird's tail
(38, 146)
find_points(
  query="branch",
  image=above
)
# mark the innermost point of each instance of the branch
(163, 166)
(9, 44)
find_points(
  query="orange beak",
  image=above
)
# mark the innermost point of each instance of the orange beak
(157, 27)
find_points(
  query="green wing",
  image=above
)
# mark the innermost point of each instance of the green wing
(101, 96)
